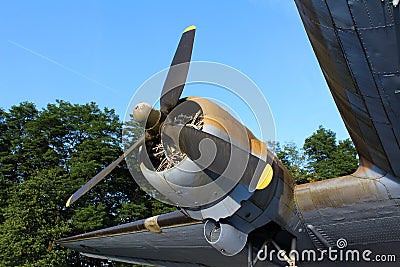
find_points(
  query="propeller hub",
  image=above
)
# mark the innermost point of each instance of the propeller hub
(141, 112)
(145, 114)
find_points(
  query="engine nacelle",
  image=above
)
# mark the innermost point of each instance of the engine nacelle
(248, 199)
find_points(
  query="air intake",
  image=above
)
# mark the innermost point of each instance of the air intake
(224, 237)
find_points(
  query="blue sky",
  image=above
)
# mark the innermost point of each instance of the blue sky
(102, 51)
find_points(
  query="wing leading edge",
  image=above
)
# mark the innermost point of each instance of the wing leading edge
(357, 46)
(171, 239)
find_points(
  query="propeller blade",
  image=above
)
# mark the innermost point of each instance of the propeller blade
(178, 71)
(227, 160)
(215, 154)
(101, 175)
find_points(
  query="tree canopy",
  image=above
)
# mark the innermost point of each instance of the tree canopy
(321, 157)
(45, 156)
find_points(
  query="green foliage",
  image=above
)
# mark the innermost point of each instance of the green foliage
(328, 158)
(32, 221)
(322, 157)
(45, 155)
(294, 160)
(89, 218)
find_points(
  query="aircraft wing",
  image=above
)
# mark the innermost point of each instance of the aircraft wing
(180, 243)
(357, 46)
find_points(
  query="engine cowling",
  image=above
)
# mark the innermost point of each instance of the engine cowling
(249, 197)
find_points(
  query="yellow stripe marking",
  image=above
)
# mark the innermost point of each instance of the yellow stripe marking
(189, 28)
(151, 224)
(265, 178)
(68, 202)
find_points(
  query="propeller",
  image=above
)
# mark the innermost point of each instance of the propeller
(177, 73)
(170, 95)
(173, 85)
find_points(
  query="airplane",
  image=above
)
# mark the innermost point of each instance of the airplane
(357, 46)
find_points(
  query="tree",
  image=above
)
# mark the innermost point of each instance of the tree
(32, 221)
(30, 216)
(294, 160)
(326, 157)
(322, 157)
(45, 155)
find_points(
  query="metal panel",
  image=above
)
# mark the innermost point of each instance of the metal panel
(391, 89)
(249, 211)
(391, 97)
(340, 14)
(377, 111)
(390, 145)
(368, 14)
(358, 64)
(381, 47)
(360, 210)
(357, 104)
(322, 17)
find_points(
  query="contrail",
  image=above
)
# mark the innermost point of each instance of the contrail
(63, 66)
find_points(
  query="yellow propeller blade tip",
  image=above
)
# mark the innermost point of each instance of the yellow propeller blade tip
(190, 28)
(68, 202)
